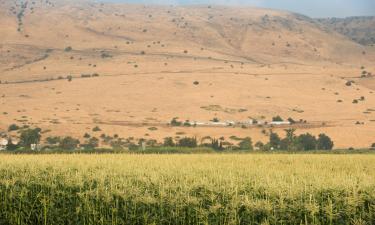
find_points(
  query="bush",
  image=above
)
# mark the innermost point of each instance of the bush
(277, 119)
(13, 127)
(68, 49)
(174, 122)
(96, 129)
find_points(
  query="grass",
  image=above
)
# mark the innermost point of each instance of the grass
(187, 189)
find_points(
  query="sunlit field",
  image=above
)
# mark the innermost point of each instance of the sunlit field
(187, 189)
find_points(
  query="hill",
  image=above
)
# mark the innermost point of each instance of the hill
(135, 67)
(359, 29)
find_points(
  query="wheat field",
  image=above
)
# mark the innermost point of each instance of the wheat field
(187, 189)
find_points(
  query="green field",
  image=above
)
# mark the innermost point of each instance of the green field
(187, 189)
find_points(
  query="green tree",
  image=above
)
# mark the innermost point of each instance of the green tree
(188, 142)
(92, 143)
(29, 137)
(168, 142)
(275, 140)
(10, 146)
(216, 144)
(246, 144)
(307, 142)
(69, 143)
(13, 127)
(53, 140)
(324, 142)
(290, 142)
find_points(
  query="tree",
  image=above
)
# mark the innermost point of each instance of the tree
(289, 142)
(188, 142)
(69, 143)
(53, 140)
(246, 144)
(168, 142)
(13, 127)
(10, 146)
(324, 142)
(259, 145)
(29, 137)
(216, 144)
(274, 141)
(307, 142)
(92, 143)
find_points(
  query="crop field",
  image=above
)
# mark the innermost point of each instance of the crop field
(187, 189)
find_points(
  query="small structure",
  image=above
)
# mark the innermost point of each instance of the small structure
(3, 144)
(280, 123)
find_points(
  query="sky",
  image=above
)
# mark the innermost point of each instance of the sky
(312, 8)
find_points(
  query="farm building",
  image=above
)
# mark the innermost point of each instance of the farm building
(280, 123)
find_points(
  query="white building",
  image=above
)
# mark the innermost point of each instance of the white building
(280, 123)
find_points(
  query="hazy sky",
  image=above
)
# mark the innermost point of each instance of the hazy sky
(313, 8)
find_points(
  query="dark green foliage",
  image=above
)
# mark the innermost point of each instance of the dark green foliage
(175, 122)
(324, 142)
(92, 143)
(96, 129)
(307, 142)
(53, 140)
(13, 127)
(10, 146)
(246, 144)
(275, 141)
(188, 142)
(69, 143)
(277, 119)
(29, 137)
(168, 142)
(216, 145)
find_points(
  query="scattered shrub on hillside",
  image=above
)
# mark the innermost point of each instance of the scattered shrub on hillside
(349, 83)
(68, 49)
(96, 129)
